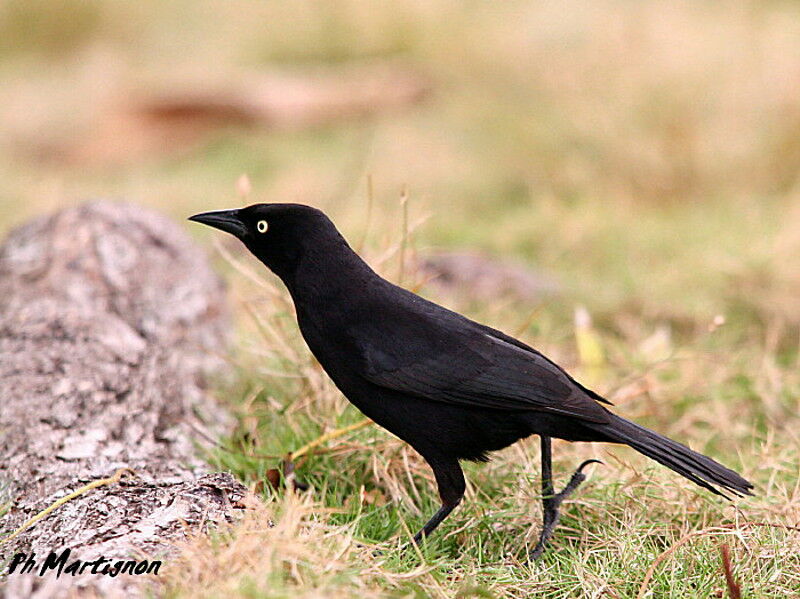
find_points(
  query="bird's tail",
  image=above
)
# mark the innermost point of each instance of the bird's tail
(695, 466)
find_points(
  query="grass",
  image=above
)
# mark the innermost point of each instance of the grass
(368, 491)
(646, 156)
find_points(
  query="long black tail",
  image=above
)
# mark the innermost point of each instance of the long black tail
(695, 466)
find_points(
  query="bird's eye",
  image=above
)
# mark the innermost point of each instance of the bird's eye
(262, 226)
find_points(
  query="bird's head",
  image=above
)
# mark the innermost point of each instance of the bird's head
(280, 235)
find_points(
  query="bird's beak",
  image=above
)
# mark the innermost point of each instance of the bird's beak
(225, 220)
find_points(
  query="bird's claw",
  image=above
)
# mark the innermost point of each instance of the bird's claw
(586, 463)
(553, 502)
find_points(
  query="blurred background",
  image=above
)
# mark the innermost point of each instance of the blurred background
(617, 182)
(622, 146)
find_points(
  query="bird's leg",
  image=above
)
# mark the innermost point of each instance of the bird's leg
(551, 500)
(450, 480)
(431, 525)
(549, 509)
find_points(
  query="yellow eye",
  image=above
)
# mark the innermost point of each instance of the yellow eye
(262, 226)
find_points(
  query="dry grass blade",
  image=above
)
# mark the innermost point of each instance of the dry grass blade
(111, 480)
(728, 528)
(327, 437)
(406, 234)
(734, 590)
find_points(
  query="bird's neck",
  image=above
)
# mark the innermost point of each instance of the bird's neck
(329, 272)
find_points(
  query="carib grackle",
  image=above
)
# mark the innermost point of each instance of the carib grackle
(452, 388)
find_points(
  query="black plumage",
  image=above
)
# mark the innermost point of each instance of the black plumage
(452, 388)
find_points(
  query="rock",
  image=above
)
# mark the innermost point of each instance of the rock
(109, 316)
(483, 277)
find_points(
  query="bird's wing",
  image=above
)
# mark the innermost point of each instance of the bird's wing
(471, 367)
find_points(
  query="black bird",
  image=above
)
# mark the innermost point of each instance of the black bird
(452, 388)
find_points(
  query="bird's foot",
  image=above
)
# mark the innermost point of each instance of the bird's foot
(551, 505)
